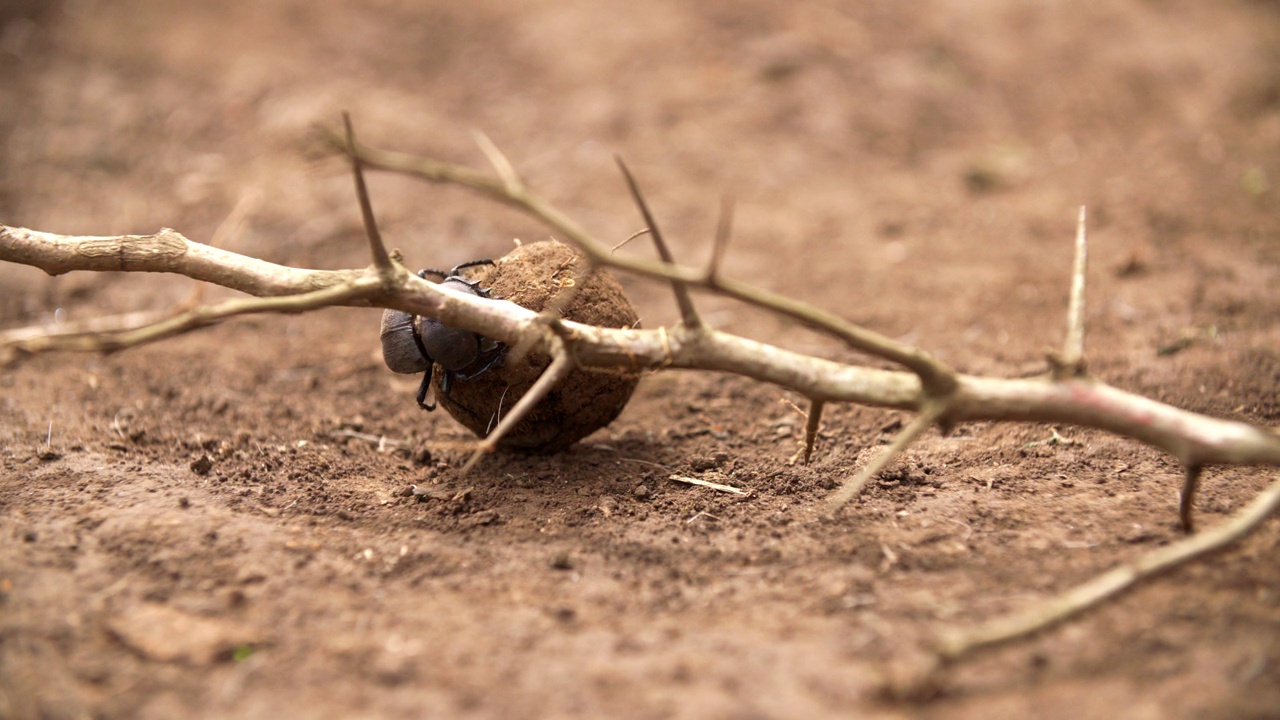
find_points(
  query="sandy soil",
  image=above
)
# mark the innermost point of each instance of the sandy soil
(208, 539)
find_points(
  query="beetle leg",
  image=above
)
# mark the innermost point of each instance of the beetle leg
(465, 265)
(498, 350)
(425, 388)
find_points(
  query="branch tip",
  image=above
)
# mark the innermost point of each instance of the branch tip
(813, 422)
(506, 171)
(1186, 499)
(724, 227)
(381, 259)
(1071, 362)
(956, 644)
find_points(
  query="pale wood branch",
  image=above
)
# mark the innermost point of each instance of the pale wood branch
(937, 393)
(938, 378)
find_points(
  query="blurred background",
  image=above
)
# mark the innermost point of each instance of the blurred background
(932, 147)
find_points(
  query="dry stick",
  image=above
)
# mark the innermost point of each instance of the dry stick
(167, 251)
(560, 367)
(927, 417)
(937, 378)
(688, 314)
(1193, 439)
(36, 338)
(632, 236)
(118, 339)
(958, 644)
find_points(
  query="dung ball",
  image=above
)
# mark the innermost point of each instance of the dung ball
(586, 400)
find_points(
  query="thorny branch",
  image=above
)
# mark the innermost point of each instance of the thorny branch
(939, 394)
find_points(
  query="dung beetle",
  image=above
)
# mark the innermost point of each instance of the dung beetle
(413, 344)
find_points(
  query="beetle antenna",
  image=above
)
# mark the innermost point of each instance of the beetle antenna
(381, 259)
(687, 312)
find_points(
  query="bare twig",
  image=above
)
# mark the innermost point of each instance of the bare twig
(958, 644)
(381, 441)
(34, 339)
(937, 378)
(629, 238)
(113, 340)
(504, 168)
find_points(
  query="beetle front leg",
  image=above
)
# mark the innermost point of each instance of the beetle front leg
(425, 388)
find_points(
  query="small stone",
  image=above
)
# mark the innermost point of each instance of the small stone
(481, 517)
(421, 456)
(202, 465)
(641, 492)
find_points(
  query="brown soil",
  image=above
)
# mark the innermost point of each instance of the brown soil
(201, 528)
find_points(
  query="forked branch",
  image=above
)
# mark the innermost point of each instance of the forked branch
(934, 391)
(936, 377)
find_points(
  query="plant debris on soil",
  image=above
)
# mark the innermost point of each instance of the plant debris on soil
(256, 520)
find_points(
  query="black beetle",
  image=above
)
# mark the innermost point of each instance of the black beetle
(413, 344)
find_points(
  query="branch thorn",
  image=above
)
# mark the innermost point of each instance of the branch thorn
(506, 171)
(558, 370)
(812, 422)
(687, 312)
(381, 259)
(1186, 498)
(1071, 362)
(724, 226)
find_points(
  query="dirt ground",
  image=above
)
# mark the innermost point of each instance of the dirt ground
(199, 529)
